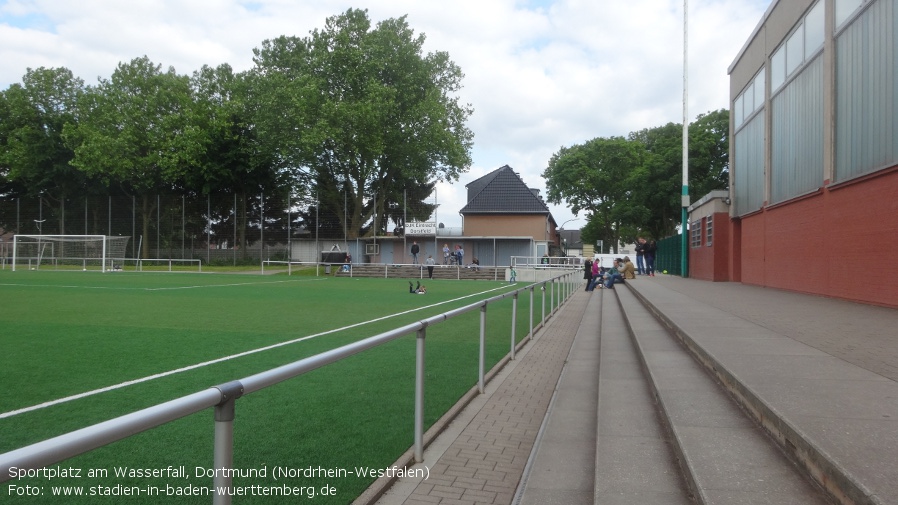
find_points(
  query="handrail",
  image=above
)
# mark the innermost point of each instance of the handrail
(223, 397)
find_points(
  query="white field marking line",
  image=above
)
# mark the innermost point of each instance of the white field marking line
(50, 403)
(155, 289)
(232, 284)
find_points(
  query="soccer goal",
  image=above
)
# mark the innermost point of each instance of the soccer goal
(69, 252)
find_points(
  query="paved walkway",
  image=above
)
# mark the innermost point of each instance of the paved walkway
(863, 335)
(486, 452)
(481, 457)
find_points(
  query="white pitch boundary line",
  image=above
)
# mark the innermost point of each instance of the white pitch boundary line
(78, 396)
(156, 289)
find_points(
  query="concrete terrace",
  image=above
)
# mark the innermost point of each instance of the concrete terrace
(668, 390)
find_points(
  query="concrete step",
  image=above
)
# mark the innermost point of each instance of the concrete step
(635, 462)
(561, 467)
(725, 457)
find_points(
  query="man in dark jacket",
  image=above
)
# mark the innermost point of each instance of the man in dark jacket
(415, 251)
(640, 256)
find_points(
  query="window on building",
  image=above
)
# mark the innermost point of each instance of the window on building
(709, 230)
(845, 9)
(814, 30)
(800, 47)
(695, 233)
(750, 100)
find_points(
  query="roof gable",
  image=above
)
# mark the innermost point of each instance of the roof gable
(502, 191)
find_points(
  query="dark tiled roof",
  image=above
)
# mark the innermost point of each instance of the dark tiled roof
(503, 191)
(572, 237)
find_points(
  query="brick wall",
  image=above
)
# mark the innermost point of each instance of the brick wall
(711, 263)
(840, 241)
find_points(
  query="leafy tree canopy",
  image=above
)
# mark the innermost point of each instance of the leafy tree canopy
(366, 108)
(354, 112)
(632, 186)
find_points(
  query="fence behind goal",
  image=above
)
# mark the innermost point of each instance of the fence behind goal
(69, 252)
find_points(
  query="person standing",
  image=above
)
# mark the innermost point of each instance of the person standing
(460, 253)
(587, 272)
(651, 248)
(430, 263)
(446, 252)
(596, 279)
(415, 251)
(640, 256)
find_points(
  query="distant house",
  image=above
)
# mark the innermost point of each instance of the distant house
(571, 243)
(502, 210)
(504, 221)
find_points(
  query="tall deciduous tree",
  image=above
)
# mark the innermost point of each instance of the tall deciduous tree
(592, 177)
(35, 154)
(233, 158)
(364, 108)
(632, 186)
(139, 131)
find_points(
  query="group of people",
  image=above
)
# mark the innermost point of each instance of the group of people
(597, 276)
(450, 256)
(645, 256)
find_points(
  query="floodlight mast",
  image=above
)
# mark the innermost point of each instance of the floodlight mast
(684, 251)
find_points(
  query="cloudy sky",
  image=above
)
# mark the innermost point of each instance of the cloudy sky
(540, 74)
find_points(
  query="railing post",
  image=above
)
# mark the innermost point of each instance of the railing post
(419, 395)
(514, 320)
(543, 289)
(552, 304)
(481, 365)
(224, 441)
(532, 296)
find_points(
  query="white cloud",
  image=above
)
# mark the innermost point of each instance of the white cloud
(540, 75)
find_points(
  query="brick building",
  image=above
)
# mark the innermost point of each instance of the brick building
(814, 153)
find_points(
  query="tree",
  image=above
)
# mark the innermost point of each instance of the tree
(37, 160)
(139, 132)
(657, 185)
(709, 153)
(659, 182)
(631, 187)
(593, 177)
(233, 158)
(364, 109)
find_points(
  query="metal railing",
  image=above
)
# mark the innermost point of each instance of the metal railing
(224, 396)
(386, 270)
(169, 261)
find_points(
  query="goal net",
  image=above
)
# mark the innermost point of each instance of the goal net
(69, 252)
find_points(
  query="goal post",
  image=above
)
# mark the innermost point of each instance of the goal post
(69, 252)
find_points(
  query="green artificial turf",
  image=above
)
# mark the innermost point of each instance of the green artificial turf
(66, 333)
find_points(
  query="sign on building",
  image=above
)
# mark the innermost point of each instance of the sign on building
(421, 229)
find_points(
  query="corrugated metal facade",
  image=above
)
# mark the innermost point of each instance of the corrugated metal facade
(748, 169)
(867, 92)
(797, 135)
